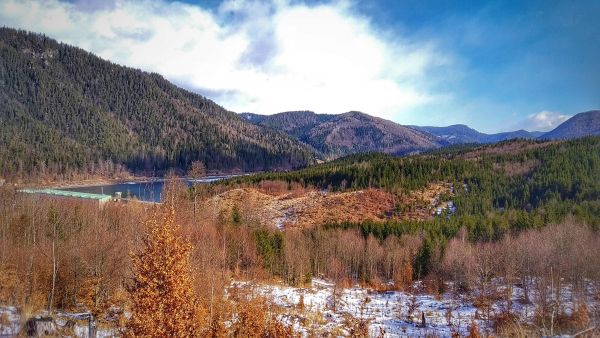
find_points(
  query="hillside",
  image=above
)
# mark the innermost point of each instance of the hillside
(352, 132)
(524, 134)
(460, 133)
(63, 109)
(553, 178)
(582, 124)
(294, 123)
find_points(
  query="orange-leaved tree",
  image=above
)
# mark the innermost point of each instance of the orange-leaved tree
(163, 300)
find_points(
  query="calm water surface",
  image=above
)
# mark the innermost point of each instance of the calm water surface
(149, 191)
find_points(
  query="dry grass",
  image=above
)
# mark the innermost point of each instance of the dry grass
(4, 320)
(508, 324)
(305, 211)
(308, 208)
(474, 331)
(576, 321)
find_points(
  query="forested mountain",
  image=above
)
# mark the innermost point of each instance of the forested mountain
(498, 189)
(64, 109)
(582, 124)
(509, 135)
(509, 186)
(295, 123)
(354, 132)
(460, 133)
(347, 133)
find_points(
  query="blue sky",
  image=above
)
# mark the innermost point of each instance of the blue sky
(496, 65)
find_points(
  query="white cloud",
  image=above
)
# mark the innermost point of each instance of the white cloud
(251, 56)
(545, 120)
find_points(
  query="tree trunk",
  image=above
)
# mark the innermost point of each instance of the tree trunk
(51, 302)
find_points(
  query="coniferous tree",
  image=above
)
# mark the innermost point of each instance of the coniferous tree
(164, 303)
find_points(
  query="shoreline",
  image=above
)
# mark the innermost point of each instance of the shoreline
(136, 179)
(97, 181)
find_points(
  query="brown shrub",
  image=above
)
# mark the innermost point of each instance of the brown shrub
(505, 322)
(255, 318)
(578, 320)
(357, 327)
(4, 320)
(8, 284)
(474, 331)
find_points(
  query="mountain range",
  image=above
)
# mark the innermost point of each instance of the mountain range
(63, 110)
(353, 132)
(460, 133)
(580, 125)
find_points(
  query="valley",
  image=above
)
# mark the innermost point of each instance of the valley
(132, 207)
(367, 245)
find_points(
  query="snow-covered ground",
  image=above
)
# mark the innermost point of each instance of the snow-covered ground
(397, 314)
(9, 321)
(327, 309)
(64, 324)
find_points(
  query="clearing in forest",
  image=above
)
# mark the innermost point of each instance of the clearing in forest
(312, 207)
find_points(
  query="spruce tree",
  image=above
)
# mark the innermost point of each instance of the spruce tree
(164, 302)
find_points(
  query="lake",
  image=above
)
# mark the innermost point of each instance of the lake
(149, 191)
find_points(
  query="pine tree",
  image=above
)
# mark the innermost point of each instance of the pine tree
(164, 303)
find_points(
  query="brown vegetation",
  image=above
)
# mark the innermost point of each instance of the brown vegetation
(307, 210)
(513, 147)
(91, 266)
(274, 204)
(518, 168)
(548, 264)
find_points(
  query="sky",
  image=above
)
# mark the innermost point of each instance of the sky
(493, 65)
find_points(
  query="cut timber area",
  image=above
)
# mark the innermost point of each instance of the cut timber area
(313, 208)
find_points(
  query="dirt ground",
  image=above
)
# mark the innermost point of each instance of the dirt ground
(311, 208)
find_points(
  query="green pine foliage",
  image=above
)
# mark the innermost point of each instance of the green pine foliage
(62, 108)
(528, 186)
(558, 178)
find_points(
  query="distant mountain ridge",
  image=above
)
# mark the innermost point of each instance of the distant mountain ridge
(63, 109)
(352, 132)
(580, 125)
(347, 133)
(460, 133)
